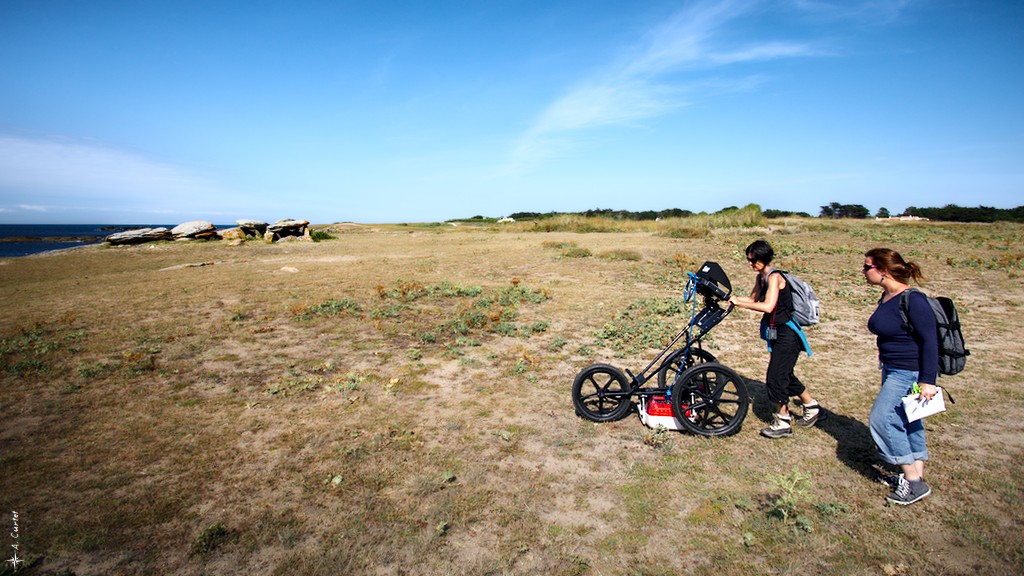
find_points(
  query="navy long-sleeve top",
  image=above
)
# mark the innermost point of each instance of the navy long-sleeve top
(897, 348)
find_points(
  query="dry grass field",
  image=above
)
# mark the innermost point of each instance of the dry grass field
(397, 401)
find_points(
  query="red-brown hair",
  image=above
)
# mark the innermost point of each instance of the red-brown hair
(889, 260)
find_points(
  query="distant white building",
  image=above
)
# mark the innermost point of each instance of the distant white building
(905, 218)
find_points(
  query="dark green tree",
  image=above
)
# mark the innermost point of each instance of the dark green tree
(837, 210)
(855, 211)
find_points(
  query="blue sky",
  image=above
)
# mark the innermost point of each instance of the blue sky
(416, 111)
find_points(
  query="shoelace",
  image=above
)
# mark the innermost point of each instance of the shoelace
(903, 489)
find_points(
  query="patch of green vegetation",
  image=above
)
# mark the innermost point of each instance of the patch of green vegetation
(701, 225)
(409, 291)
(577, 252)
(787, 503)
(211, 538)
(642, 494)
(832, 509)
(539, 326)
(520, 367)
(493, 312)
(332, 308)
(557, 344)
(553, 245)
(94, 370)
(1001, 262)
(621, 255)
(657, 438)
(391, 311)
(642, 325)
(31, 350)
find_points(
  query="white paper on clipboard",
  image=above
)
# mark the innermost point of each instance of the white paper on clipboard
(917, 408)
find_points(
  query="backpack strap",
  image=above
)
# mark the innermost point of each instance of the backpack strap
(905, 308)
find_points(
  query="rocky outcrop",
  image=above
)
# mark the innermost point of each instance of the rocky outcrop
(138, 236)
(195, 229)
(287, 228)
(231, 234)
(254, 228)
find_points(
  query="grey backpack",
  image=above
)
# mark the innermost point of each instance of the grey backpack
(953, 351)
(806, 306)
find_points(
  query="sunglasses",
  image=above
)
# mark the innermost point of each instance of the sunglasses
(868, 267)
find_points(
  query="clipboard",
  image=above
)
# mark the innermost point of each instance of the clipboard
(916, 408)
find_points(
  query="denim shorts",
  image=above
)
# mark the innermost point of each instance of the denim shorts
(898, 441)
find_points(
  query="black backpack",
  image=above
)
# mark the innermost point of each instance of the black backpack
(953, 352)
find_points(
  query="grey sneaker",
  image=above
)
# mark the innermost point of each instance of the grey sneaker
(811, 416)
(780, 427)
(907, 492)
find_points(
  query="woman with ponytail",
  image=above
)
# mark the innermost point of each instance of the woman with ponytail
(908, 360)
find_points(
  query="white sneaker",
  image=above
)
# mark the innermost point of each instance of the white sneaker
(780, 426)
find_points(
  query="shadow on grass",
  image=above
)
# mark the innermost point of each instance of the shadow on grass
(854, 446)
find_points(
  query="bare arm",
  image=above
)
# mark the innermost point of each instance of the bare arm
(775, 283)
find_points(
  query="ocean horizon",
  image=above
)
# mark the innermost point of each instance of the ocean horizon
(18, 240)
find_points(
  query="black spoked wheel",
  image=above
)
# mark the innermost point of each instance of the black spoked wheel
(710, 399)
(601, 393)
(680, 361)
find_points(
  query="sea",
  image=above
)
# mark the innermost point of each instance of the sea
(18, 240)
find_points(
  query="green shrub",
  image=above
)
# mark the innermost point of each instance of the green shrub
(577, 252)
(331, 308)
(643, 325)
(209, 539)
(626, 255)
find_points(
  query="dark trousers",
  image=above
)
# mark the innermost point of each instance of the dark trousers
(781, 382)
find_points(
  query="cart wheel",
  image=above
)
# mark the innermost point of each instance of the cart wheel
(710, 399)
(680, 361)
(601, 393)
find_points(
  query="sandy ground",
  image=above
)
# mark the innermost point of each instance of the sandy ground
(168, 399)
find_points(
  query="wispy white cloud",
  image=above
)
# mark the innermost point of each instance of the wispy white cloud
(40, 175)
(34, 164)
(647, 82)
(766, 51)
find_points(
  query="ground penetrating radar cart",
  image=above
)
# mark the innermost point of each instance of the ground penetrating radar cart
(693, 391)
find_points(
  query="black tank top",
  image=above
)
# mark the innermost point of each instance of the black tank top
(783, 306)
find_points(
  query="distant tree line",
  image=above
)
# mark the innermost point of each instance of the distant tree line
(771, 213)
(954, 213)
(949, 213)
(607, 213)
